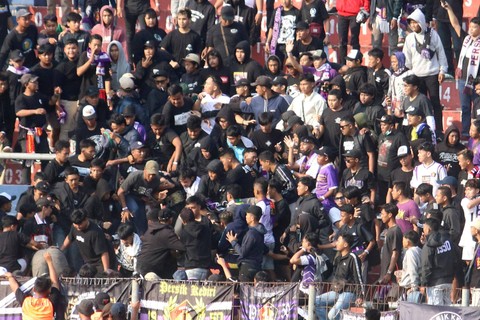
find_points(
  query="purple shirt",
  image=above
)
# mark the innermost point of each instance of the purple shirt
(327, 179)
(475, 147)
(405, 211)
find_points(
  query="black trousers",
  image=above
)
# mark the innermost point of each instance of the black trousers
(345, 23)
(130, 22)
(431, 87)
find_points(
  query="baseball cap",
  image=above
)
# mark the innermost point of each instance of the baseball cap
(354, 54)
(227, 13)
(325, 151)
(118, 311)
(402, 151)
(149, 44)
(242, 82)
(3, 200)
(449, 180)
(44, 202)
(85, 307)
(128, 111)
(151, 167)
(8, 196)
(22, 12)
(302, 25)
(308, 140)
(92, 91)
(16, 55)
(354, 153)
(126, 83)
(101, 300)
(280, 81)
(136, 145)
(386, 119)
(160, 73)
(287, 114)
(319, 54)
(28, 77)
(192, 57)
(89, 112)
(293, 121)
(414, 111)
(255, 210)
(262, 81)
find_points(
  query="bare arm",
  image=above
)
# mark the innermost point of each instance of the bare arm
(66, 243)
(82, 69)
(12, 281)
(105, 261)
(51, 270)
(371, 162)
(453, 19)
(28, 113)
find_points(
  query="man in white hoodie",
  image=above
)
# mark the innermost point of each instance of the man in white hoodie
(424, 54)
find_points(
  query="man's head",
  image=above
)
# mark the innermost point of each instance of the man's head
(175, 95)
(399, 189)
(352, 159)
(260, 187)
(234, 134)
(411, 239)
(72, 178)
(92, 95)
(430, 226)
(254, 213)
(354, 58)
(325, 155)
(411, 85)
(425, 152)
(227, 15)
(471, 188)
(389, 213)
(475, 130)
(233, 191)
(79, 219)
(95, 43)
(24, 17)
(195, 204)
(425, 192)
(9, 223)
(387, 124)
(274, 188)
(212, 85)
(186, 177)
(117, 123)
(87, 148)
(347, 126)
(475, 229)
(161, 79)
(139, 151)
(184, 16)
(347, 212)
(194, 127)
(126, 232)
(474, 27)
(305, 186)
(279, 84)
(45, 54)
(307, 83)
(42, 286)
(415, 24)
(158, 124)
(62, 151)
(352, 195)
(267, 160)
(150, 172)
(73, 21)
(263, 85)
(367, 93)
(375, 57)
(443, 196)
(265, 120)
(303, 31)
(344, 242)
(250, 157)
(228, 159)
(335, 99)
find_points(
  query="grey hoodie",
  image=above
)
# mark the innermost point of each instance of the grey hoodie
(414, 60)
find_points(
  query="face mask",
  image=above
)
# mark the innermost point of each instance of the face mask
(389, 132)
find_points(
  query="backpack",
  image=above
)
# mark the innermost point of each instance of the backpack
(323, 267)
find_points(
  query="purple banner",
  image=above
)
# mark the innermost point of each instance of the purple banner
(269, 302)
(412, 311)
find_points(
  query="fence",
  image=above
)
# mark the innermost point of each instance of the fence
(167, 299)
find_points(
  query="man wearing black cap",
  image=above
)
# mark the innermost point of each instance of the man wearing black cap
(279, 85)
(304, 41)
(157, 245)
(38, 190)
(23, 37)
(242, 90)
(225, 35)
(38, 227)
(357, 73)
(388, 143)
(358, 176)
(158, 96)
(252, 248)
(307, 164)
(265, 101)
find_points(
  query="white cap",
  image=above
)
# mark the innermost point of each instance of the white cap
(88, 112)
(126, 83)
(402, 151)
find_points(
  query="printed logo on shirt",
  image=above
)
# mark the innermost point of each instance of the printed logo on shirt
(80, 238)
(313, 12)
(233, 31)
(189, 48)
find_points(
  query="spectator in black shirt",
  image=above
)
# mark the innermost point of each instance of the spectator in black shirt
(92, 98)
(236, 173)
(377, 74)
(90, 240)
(191, 138)
(305, 42)
(82, 160)
(73, 32)
(54, 169)
(177, 110)
(23, 37)
(7, 115)
(65, 76)
(358, 176)
(147, 18)
(392, 245)
(267, 138)
(6, 22)
(158, 96)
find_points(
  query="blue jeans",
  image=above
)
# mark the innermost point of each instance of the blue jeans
(137, 208)
(467, 102)
(439, 295)
(338, 301)
(197, 274)
(74, 258)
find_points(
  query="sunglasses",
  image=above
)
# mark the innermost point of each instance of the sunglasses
(344, 126)
(339, 198)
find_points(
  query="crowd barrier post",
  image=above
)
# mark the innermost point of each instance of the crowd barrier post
(135, 290)
(311, 302)
(465, 297)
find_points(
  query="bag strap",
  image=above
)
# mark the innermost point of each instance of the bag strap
(224, 40)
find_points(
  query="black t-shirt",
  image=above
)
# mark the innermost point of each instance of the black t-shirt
(180, 44)
(226, 41)
(398, 175)
(136, 7)
(299, 47)
(65, 76)
(90, 77)
(176, 118)
(39, 232)
(162, 149)
(91, 243)
(36, 101)
(314, 11)
(266, 141)
(54, 171)
(361, 235)
(363, 143)
(331, 121)
(240, 177)
(10, 249)
(83, 167)
(25, 42)
(45, 76)
(362, 179)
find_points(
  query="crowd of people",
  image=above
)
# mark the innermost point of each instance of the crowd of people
(179, 156)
